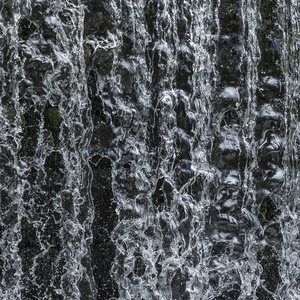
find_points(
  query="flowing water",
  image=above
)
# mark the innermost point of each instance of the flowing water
(149, 149)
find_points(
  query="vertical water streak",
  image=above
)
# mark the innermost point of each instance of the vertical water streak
(77, 281)
(12, 184)
(250, 269)
(195, 194)
(290, 63)
(131, 177)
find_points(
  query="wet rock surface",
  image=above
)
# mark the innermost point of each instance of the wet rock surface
(149, 149)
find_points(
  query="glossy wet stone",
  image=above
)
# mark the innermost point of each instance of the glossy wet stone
(149, 149)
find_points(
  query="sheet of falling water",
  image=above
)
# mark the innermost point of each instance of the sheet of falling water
(149, 149)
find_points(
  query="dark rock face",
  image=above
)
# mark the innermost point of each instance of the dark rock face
(149, 149)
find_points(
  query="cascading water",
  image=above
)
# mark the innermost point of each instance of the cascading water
(46, 206)
(149, 149)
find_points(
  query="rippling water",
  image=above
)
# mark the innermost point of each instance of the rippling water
(149, 149)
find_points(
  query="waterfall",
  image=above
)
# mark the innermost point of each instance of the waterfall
(149, 149)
